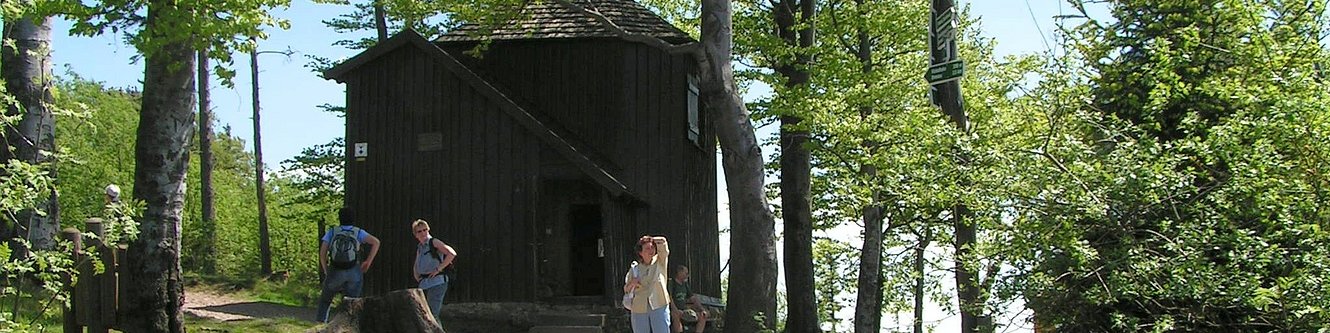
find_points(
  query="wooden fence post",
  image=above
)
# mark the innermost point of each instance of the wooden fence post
(71, 319)
(123, 281)
(97, 305)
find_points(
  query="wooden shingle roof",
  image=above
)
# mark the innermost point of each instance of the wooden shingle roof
(552, 19)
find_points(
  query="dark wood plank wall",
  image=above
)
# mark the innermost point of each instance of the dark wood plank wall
(625, 100)
(678, 176)
(628, 102)
(476, 191)
(618, 243)
(571, 85)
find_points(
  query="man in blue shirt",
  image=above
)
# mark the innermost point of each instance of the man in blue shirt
(339, 260)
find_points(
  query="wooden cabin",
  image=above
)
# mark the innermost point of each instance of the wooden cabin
(541, 161)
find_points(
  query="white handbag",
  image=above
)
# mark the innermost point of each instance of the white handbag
(628, 296)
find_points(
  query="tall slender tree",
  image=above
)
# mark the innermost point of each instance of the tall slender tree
(209, 212)
(265, 249)
(947, 96)
(796, 28)
(868, 304)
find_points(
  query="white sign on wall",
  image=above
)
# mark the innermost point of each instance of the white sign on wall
(362, 149)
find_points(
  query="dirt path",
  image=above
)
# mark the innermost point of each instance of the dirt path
(211, 305)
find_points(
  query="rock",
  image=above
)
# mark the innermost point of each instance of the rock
(396, 311)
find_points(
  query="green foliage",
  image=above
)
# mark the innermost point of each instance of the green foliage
(1182, 174)
(102, 139)
(35, 281)
(835, 270)
(876, 115)
(97, 145)
(222, 27)
(24, 186)
(309, 192)
(423, 17)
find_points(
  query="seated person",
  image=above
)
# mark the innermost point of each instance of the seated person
(684, 303)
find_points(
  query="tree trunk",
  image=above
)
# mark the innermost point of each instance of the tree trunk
(920, 278)
(947, 96)
(166, 124)
(796, 173)
(209, 218)
(265, 250)
(752, 226)
(967, 283)
(380, 20)
(397, 311)
(868, 305)
(27, 74)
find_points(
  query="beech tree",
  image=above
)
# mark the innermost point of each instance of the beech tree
(167, 37)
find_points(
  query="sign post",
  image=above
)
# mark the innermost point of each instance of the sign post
(947, 68)
(944, 77)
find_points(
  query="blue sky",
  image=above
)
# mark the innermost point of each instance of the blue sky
(290, 92)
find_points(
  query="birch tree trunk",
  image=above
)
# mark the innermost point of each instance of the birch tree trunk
(166, 124)
(752, 227)
(27, 73)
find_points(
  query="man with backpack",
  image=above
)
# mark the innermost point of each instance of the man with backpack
(339, 259)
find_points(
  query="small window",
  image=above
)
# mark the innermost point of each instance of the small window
(694, 123)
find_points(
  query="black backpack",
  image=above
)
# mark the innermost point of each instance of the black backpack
(434, 252)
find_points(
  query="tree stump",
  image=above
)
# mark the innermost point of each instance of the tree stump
(396, 311)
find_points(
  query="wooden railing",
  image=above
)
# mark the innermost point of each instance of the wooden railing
(94, 297)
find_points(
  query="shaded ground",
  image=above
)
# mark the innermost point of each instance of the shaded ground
(205, 304)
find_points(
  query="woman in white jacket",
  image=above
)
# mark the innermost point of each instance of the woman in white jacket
(646, 280)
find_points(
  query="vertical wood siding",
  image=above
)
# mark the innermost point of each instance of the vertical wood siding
(624, 101)
(472, 191)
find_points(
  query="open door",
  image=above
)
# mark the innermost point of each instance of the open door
(587, 256)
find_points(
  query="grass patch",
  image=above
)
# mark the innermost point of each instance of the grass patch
(279, 325)
(293, 293)
(299, 292)
(26, 307)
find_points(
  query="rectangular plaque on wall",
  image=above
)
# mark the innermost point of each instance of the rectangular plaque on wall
(430, 141)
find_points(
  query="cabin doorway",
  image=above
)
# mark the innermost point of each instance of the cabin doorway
(587, 250)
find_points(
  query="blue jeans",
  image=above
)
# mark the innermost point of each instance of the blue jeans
(346, 281)
(654, 321)
(434, 297)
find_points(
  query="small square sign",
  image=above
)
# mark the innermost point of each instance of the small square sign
(362, 149)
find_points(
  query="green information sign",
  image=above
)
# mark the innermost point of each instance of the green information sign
(946, 72)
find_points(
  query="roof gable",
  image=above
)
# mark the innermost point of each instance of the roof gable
(557, 19)
(573, 152)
